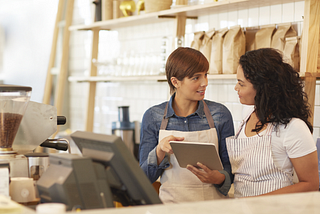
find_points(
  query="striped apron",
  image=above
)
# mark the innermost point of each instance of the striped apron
(179, 184)
(252, 165)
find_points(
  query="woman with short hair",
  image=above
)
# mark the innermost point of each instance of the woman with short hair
(186, 116)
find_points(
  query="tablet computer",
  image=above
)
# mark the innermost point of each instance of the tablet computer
(194, 152)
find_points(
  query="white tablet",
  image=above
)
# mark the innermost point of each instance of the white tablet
(194, 152)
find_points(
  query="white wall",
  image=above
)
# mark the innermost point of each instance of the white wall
(28, 29)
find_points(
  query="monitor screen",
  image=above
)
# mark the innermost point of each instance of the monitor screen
(127, 181)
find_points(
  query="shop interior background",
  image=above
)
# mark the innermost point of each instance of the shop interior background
(26, 30)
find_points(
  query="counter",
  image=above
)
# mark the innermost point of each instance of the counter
(298, 203)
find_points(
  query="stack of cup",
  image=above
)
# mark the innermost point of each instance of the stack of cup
(51, 208)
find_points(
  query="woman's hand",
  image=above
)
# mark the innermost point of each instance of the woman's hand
(207, 175)
(164, 146)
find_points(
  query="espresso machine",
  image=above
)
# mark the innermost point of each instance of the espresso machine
(25, 125)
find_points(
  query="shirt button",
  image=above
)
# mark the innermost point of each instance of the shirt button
(185, 121)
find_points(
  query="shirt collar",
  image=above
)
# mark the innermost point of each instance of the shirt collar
(170, 111)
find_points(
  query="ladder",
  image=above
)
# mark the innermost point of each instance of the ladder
(55, 86)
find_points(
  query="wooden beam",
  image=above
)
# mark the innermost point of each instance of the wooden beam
(179, 30)
(48, 84)
(318, 64)
(181, 25)
(63, 73)
(92, 85)
(309, 52)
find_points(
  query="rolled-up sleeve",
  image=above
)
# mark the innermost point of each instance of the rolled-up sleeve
(148, 141)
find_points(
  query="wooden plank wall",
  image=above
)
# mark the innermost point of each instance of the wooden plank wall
(310, 50)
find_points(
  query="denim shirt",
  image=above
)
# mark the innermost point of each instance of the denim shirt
(197, 121)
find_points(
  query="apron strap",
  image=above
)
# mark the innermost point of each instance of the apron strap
(165, 120)
(242, 123)
(208, 115)
(268, 130)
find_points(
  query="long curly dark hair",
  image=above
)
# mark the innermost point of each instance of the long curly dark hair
(279, 88)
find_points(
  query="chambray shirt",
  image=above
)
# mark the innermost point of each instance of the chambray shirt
(197, 121)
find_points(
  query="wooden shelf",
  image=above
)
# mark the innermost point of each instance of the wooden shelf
(190, 11)
(159, 78)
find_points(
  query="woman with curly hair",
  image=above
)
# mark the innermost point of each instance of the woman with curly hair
(275, 139)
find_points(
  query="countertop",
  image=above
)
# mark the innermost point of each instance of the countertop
(297, 203)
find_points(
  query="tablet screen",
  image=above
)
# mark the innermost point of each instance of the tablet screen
(194, 152)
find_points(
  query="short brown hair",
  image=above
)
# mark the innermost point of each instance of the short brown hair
(185, 62)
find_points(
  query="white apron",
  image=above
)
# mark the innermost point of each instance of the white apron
(179, 184)
(252, 165)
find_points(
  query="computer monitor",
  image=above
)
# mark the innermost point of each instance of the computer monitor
(128, 182)
(75, 181)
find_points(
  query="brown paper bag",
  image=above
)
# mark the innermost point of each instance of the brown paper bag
(250, 33)
(197, 40)
(234, 45)
(216, 51)
(181, 2)
(106, 9)
(206, 42)
(264, 36)
(291, 52)
(283, 31)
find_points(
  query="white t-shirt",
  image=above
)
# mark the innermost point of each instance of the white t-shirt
(293, 141)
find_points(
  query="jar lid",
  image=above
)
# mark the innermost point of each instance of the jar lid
(11, 88)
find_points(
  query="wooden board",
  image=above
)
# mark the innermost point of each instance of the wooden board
(310, 46)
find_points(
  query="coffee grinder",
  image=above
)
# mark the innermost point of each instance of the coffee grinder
(24, 125)
(13, 104)
(128, 131)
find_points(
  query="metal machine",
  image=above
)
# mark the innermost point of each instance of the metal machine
(128, 131)
(13, 104)
(25, 125)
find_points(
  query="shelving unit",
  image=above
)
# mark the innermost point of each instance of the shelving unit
(310, 42)
(159, 78)
(189, 11)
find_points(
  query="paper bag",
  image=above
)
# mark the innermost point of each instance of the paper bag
(291, 52)
(206, 42)
(283, 31)
(216, 51)
(263, 37)
(234, 45)
(251, 37)
(197, 40)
